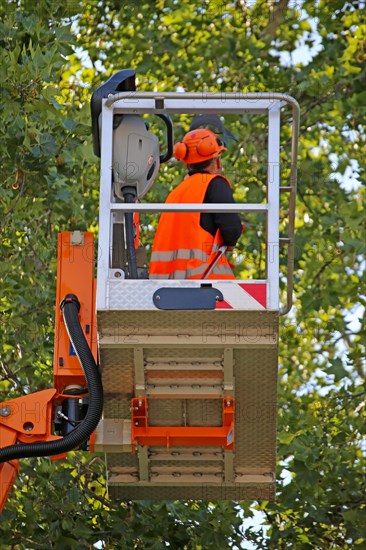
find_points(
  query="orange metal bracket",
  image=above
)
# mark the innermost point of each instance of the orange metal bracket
(75, 275)
(25, 419)
(30, 417)
(181, 436)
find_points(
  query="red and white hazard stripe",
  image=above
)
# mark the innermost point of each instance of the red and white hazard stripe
(242, 295)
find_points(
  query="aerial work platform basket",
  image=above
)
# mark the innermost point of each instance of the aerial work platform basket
(188, 404)
(190, 394)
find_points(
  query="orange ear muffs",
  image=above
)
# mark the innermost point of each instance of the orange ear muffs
(198, 146)
(207, 146)
(180, 150)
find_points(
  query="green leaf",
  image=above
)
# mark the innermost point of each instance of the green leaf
(337, 370)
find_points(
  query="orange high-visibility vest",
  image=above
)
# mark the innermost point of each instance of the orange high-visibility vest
(182, 249)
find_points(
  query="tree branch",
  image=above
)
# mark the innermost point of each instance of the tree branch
(324, 267)
(11, 377)
(274, 20)
(301, 195)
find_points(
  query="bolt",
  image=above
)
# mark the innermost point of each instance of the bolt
(157, 297)
(5, 411)
(139, 403)
(228, 402)
(217, 298)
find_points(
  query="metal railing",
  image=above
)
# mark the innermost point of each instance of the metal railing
(229, 103)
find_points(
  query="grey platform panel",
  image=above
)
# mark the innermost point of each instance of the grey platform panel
(184, 363)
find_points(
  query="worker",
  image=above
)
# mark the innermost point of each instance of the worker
(186, 243)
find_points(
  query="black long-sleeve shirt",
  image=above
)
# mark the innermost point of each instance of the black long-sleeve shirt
(218, 191)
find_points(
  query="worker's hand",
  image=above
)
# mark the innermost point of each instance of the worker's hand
(230, 248)
(243, 228)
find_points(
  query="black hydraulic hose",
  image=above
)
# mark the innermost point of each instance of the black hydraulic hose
(130, 238)
(70, 307)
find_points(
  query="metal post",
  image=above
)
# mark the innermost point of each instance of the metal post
(273, 201)
(104, 206)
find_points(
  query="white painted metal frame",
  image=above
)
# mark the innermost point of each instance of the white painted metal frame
(194, 103)
(273, 211)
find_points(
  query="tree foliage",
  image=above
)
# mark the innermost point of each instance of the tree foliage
(54, 54)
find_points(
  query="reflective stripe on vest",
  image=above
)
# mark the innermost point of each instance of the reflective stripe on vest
(181, 254)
